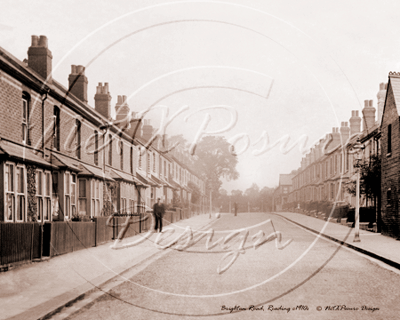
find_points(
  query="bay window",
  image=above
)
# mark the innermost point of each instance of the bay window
(132, 206)
(70, 194)
(123, 206)
(9, 190)
(82, 196)
(95, 195)
(43, 183)
(15, 192)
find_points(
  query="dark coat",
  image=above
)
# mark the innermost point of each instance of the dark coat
(158, 209)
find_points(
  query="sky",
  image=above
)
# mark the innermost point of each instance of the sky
(260, 73)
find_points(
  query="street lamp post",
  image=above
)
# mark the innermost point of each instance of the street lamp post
(356, 148)
(210, 205)
(357, 213)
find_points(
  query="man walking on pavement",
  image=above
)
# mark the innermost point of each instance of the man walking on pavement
(158, 212)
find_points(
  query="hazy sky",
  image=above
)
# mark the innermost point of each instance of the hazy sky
(282, 69)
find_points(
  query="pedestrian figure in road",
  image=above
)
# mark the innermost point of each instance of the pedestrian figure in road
(235, 207)
(158, 212)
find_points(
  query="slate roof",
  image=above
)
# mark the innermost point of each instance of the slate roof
(395, 84)
(65, 162)
(23, 153)
(95, 172)
(119, 175)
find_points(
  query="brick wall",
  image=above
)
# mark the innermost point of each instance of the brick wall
(10, 107)
(390, 168)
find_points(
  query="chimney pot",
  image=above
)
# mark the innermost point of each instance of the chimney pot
(366, 103)
(80, 70)
(35, 41)
(119, 99)
(43, 41)
(73, 69)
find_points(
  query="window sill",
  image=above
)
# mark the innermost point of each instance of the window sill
(388, 154)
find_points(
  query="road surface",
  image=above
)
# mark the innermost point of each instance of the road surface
(309, 278)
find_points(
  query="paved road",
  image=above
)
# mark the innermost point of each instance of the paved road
(292, 281)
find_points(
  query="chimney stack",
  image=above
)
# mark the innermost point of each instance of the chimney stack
(122, 109)
(381, 100)
(368, 115)
(317, 151)
(135, 126)
(102, 100)
(335, 138)
(165, 141)
(312, 155)
(78, 83)
(147, 130)
(345, 132)
(40, 57)
(355, 122)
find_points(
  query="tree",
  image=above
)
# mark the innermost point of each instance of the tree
(370, 179)
(196, 192)
(253, 192)
(178, 140)
(237, 193)
(215, 161)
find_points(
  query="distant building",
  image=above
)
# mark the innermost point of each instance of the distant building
(281, 193)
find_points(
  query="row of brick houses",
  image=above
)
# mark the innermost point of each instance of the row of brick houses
(328, 168)
(329, 165)
(60, 157)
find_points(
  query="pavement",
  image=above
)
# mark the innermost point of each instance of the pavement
(39, 290)
(375, 245)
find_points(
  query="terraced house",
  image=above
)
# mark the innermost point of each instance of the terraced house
(62, 159)
(327, 171)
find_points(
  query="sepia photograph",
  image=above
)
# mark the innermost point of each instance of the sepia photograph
(199, 159)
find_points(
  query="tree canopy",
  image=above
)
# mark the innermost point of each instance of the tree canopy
(253, 198)
(214, 161)
(370, 179)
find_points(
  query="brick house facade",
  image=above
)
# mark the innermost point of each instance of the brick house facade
(390, 163)
(329, 166)
(59, 156)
